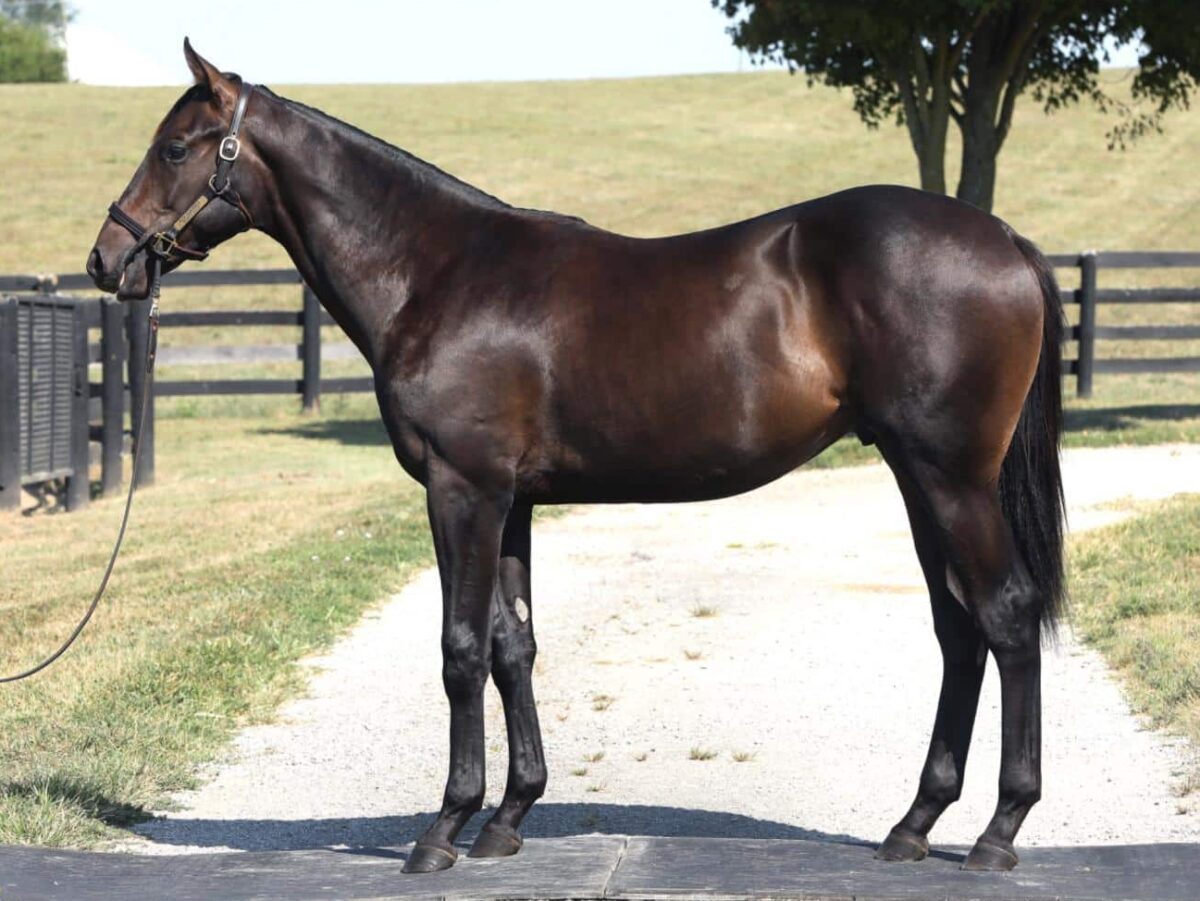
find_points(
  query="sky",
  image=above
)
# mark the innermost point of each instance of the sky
(135, 42)
(407, 41)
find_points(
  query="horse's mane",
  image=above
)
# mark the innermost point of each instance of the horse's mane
(413, 164)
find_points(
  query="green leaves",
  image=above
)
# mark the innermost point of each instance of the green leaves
(28, 53)
(921, 61)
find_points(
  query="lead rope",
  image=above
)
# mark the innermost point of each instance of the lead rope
(151, 351)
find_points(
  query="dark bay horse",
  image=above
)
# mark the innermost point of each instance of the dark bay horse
(523, 357)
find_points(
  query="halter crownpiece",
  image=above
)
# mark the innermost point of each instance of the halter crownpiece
(164, 245)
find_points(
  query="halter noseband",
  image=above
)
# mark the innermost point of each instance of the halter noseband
(165, 244)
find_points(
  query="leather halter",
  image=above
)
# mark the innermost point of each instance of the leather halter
(165, 244)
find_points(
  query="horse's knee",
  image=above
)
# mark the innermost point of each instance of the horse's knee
(513, 656)
(465, 665)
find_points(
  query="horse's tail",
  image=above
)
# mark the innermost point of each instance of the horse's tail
(1031, 492)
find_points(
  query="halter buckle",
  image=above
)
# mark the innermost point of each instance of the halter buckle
(230, 148)
(168, 248)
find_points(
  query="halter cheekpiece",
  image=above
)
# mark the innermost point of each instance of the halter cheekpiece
(165, 244)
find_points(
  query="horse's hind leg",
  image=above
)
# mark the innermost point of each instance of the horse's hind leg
(513, 652)
(1005, 607)
(964, 656)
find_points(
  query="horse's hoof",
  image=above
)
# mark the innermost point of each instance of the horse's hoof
(496, 841)
(903, 846)
(429, 859)
(988, 855)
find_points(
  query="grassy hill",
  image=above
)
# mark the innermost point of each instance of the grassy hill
(645, 156)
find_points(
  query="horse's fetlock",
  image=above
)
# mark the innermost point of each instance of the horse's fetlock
(1021, 791)
(530, 786)
(941, 782)
(467, 801)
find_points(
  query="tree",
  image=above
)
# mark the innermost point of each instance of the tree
(32, 40)
(932, 62)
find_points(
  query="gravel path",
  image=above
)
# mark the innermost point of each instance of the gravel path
(814, 682)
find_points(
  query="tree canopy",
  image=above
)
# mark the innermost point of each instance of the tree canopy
(927, 63)
(32, 40)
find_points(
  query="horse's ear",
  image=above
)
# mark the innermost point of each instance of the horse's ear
(223, 90)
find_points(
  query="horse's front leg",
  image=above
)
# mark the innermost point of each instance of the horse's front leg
(513, 652)
(467, 521)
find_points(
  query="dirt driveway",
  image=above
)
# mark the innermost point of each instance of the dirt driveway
(785, 632)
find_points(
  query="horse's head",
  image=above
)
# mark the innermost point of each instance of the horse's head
(187, 195)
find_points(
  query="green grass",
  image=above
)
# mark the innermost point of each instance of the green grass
(258, 545)
(1136, 596)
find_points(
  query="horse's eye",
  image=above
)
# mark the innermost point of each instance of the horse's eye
(175, 152)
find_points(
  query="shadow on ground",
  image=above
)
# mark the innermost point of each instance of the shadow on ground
(351, 432)
(370, 432)
(1115, 419)
(65, 790)
(545, 821)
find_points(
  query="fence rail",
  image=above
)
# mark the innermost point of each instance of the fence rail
(1089, 296)
(123, 340)
(122, 344)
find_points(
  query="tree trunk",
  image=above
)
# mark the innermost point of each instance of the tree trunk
(931, 158)
(925, 94)
(977, 180)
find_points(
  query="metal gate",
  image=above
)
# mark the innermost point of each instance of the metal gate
(43, 397)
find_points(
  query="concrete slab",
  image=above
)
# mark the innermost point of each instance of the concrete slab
(603, 867)
(558, 868)
(698, 868)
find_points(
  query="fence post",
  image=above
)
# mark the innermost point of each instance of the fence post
(10, 409)
(112, 393)
(1087, 323)
(139, 341)
(311, 351)
(79, 483)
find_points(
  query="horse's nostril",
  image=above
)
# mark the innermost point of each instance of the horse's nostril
(95, 264)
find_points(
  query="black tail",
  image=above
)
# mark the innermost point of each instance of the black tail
(1030, 480)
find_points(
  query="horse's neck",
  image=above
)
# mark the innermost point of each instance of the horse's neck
(362, 225)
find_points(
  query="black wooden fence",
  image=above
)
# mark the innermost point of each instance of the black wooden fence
(121, 349)
(1089, 295)
(123, 337)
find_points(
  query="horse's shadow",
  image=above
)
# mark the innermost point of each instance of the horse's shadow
(545, 821)
(1114, 419)
(366, 432)
(370, 432)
